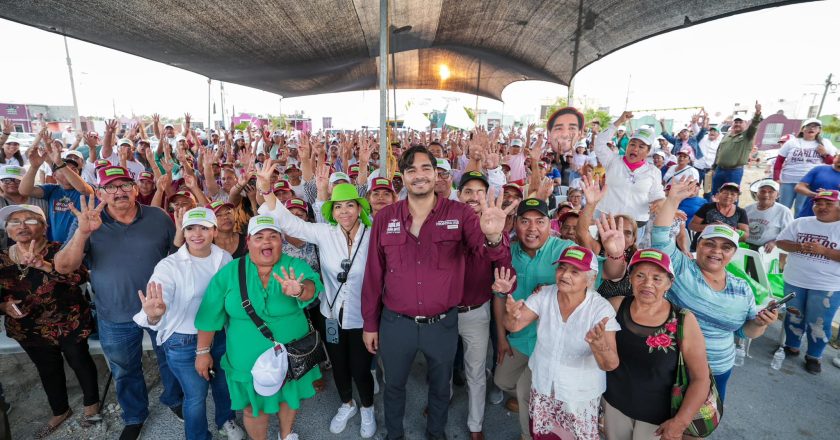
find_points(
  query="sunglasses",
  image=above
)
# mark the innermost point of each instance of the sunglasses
(345, 267)
(8, 180)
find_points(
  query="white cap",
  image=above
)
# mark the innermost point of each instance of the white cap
(811, 121)
(125, 141)
(11, 209)
(180, 138)
(260, 222)
(168, 126)
(69, 153)
(269, 371)
(720, 231)
(764, 182)
(621, 128)
(660, 153)
(11, 172)
(645, 135)
(444, 164)
(338, 175)
(199, 216)
(516, 142)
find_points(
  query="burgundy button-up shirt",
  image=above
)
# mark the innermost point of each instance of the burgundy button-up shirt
(424, 275)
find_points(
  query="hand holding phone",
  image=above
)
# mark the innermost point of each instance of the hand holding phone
(776, 304)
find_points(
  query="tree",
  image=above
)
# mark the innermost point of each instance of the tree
(470, 113)
(833, 127)
(591, 114)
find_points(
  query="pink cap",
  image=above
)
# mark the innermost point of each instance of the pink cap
(579, 257)
(653, 256)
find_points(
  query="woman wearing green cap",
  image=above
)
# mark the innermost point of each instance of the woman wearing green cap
(343, 249)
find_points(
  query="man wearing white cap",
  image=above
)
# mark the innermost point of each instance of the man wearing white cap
(734, 150)
(170, 304)
(443, 183)
(124, 156)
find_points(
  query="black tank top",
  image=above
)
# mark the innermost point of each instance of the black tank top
(641, 385)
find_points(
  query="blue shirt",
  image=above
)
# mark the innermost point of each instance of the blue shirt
(61, 217)
(719, 313)
(691, 205)
(822, 176)
(122, 258)
(531, 272)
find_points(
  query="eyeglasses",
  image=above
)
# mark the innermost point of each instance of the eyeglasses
(443, 174)
(345, 267)
(112, 189)
(8, 180)
(18, 223)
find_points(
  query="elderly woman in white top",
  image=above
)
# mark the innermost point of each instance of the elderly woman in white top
(343, 249)
(575, 346)
(170, 304)
(634, 184)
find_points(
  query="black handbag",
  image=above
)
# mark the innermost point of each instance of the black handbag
(304, 353)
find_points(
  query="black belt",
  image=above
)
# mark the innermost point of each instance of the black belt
(465, 309)
(424, 319)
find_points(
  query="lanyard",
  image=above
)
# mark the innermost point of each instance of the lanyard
(331, 304)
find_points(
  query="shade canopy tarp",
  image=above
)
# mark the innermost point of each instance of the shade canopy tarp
(296, 48)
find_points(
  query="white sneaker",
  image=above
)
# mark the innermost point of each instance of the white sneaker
(291, 436)
(232, 431)
(368, 428)
(375, 382)
(339, 422)
(836, 361)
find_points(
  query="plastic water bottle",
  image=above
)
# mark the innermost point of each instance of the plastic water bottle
(740, 354)
(778, 358)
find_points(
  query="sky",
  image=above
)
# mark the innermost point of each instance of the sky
(775, 54)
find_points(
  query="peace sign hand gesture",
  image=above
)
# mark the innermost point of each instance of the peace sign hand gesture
(90, 217)
(504, 280)
(292, 286)
(152, 302)
(32, 258)
(493, 217)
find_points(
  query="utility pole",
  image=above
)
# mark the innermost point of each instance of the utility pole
(828, 85)
(222, 95)
(77, 124)
(384, 142)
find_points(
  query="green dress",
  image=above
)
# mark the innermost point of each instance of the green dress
(222, 307)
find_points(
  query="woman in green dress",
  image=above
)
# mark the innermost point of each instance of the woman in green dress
(279, 288)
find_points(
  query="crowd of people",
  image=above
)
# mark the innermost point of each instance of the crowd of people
(579, 270)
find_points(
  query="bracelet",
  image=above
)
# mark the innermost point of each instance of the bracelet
(492, 245)
(265, 193)
(500, 295)
(202, 351)
(299, 294)
(620, 257)
(58, 167)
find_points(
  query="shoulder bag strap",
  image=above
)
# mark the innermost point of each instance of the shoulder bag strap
(246, 304)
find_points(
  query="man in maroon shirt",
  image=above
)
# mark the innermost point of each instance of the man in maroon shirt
(475, 309)
(414, 281)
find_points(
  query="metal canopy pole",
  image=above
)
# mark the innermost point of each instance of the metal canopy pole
(77, 123)
(384, 143)
(578, 32)
(209, 112)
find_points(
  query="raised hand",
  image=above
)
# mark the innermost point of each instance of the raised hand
(597, 336)
(322, 180)
(757, 108)
(264, 178)
(292, 286)
(593, 191)
(7, 126)
(546, 188)
(152, 302)
(111, 126)
(513, 308)
(187, 119)
(90, 141)
(179, 217)
(504, 280)
(90, 216)
(612, 234)
(682, 189)
(493, 217)
(53, 154)
(36, 159)
(32, 258)
(626, 116)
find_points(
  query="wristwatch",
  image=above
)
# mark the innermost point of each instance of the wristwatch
(55, 167)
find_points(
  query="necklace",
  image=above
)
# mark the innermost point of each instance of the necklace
(347, 235)
(23, 269)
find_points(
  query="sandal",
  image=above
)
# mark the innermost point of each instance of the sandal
(92, 419)
(48, 429)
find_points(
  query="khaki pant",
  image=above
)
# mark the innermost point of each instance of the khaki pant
(514, 378)
(620, 427)
(474, 328)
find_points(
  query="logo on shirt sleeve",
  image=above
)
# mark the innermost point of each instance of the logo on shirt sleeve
(393, 226)
(448, 224)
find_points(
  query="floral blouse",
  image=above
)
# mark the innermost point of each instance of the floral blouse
(54, 304)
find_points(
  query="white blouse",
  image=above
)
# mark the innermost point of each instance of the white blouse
(562, 361)
(332, 249)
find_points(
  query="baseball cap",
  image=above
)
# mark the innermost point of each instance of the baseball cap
(381, 183)
(654, 256)
(338, 175)
(296, 202)
(720, 231)
(145, 175)
(168, 126)
(101, 163)
(515, 187)
(125, 141)
(621, 128)
(260, 222)
(283, 185)
(660, 153)
(579, 257)
(646, 135)
(180, 138)
(766, 182)
(397, 175)
(182, 193)
(11, 209)
(473, 175)
(292, 167)
(11, 172)
(688, 151)
(581, 144)
(69, 153)
(731, 185)
(532, 205)
(741, 117)
(354, 170)
(269, 371)
(12, 141)
(562, 218)
(444, 164)
(217, 205)
(832, 196)
(516, 142)
(199, 216)
(810, 121)
(110, 173)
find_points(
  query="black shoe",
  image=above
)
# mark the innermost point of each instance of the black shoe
(458, 378)
(430, 436)
(791, 352)
(178, 411)
(813, 366)
(131, 432)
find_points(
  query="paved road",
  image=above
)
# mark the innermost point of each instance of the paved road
(761, 404)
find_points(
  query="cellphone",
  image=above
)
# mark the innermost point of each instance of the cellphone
(778, 303)
(16, 309)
